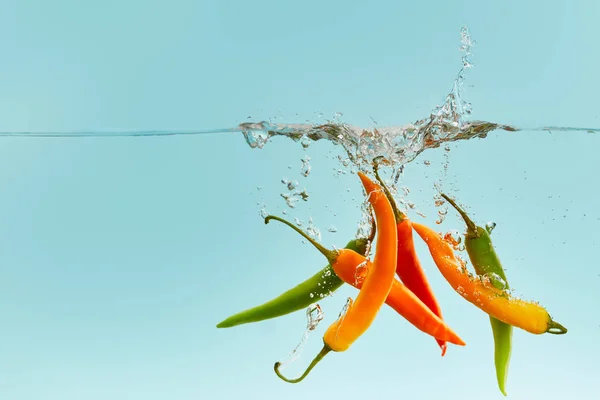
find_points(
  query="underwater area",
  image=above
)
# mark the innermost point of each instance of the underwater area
(144, 146)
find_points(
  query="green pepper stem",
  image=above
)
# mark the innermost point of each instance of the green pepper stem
(329, 254)
(555, 328)
(399, 214)
(326, 349)
(471, 227)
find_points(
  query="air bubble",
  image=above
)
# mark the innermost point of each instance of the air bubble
(489, 227)
(306, 167)
(496, 281)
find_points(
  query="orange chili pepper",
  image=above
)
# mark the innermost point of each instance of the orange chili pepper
(361, 313)
(499, 304)
(409, 267)
(400, 298)
(407, 304)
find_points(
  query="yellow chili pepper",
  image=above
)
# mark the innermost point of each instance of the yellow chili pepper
(497, 303)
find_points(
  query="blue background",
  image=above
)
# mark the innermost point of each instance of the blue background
(119, 255)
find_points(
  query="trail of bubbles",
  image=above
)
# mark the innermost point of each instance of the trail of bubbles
(314, 315)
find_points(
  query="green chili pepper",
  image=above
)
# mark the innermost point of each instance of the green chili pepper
(299, 297)
(478, 244)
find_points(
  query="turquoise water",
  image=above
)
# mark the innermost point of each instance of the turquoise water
(121, 254)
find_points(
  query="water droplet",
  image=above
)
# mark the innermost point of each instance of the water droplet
(291, 185)
(305, 142)
(360, 273)
(313, 231)
(427, 162)
(263, 212)
(314, 315)
(306, 167)
(441, 216)
(489, 227)
(255, 134)
(454, 238)
(495, 280)
(290, 199)
(346, 307)
(332, 229)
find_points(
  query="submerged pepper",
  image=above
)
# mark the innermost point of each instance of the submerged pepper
(299, 297)
(500, 304)
(486, 263)
(408, 265)
(361, 313)
(400, 298)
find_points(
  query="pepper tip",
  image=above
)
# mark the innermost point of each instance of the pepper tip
(444, 348)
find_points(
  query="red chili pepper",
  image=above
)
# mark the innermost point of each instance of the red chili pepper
(409, 268)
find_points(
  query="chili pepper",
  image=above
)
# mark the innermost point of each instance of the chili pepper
(299, 297)
(486, 263)
(361, 313)
(408, 266)
(400, 298)
(497, 303)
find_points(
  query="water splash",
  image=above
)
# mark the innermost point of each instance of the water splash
(394, 145)
(314, 315)
(398, 145)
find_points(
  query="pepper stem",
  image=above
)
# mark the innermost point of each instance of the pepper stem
(399, 214)
(329, 254)
(326, 349)
(471, 227)
(555, 328)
